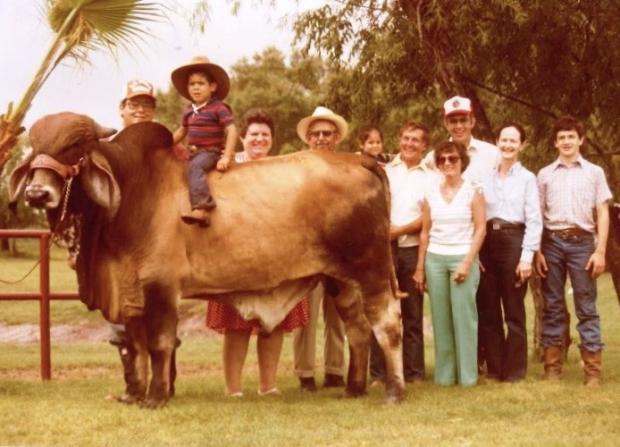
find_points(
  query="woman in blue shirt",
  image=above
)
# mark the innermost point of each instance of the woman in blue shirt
(514, 227)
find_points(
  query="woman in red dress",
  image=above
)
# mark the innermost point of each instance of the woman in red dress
(256, 136)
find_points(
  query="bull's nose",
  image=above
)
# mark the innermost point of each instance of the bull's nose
(37, 197)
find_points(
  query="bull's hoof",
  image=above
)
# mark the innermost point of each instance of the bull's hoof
(152, 403)
(394, 394)
(125, 398)
(354, 391)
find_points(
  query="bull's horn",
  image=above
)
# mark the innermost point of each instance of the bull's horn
(103, 132)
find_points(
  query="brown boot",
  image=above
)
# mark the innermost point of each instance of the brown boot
(592, 366)
(553, 362)
(198, 216)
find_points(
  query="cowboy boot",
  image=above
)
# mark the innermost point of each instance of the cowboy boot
(553, 362)
(592, 366)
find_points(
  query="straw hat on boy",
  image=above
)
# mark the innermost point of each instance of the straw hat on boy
(181, 75)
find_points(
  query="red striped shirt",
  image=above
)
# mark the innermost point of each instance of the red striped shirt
(205, 127)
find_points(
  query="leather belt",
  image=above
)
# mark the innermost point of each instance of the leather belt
(193, 149)
(565, 233)
(499, 224)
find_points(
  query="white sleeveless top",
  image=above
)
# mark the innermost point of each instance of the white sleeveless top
(452, 224)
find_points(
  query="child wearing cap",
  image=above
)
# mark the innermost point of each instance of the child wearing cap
(209, 126)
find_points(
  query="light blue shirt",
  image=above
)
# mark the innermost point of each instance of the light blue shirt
(515, 198)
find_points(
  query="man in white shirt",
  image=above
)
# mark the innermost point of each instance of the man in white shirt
(407, 175)
(459, 120)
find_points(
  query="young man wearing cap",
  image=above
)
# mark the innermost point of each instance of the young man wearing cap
(138, 104)
(209, 125)
(574, 198)
(323, 130)
(459, 120)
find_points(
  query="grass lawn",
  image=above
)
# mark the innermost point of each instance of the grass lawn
(72, 410)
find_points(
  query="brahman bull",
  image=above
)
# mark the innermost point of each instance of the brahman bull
(280, 226)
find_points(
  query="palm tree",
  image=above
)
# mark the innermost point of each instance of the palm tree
(79, 27)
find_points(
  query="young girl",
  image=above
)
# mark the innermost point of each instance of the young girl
(370, 141)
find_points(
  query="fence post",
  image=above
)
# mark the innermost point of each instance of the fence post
(44, 307)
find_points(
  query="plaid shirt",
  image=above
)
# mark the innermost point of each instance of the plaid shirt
(569, 194)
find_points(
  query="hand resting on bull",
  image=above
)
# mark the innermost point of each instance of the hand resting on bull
(313, 216)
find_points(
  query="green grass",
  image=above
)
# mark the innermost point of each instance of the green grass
(71, 409)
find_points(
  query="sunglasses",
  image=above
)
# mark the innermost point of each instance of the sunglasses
(321, 133)
(452, 159)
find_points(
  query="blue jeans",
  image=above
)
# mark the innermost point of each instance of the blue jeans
(569, 255)
(200, 164)
(406, 259)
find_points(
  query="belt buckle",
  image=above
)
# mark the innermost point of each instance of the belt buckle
(496, 226)
(565, 233)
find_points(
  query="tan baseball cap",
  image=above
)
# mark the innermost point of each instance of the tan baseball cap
(138, 87)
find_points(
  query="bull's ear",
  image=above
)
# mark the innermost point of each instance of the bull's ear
(18, 179)
(99, 183)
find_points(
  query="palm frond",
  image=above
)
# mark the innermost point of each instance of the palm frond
(80, 26)
(101, 23)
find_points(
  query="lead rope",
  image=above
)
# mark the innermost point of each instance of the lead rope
(54, 238)
(65, 200)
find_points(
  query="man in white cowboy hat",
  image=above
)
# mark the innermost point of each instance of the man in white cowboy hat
(322, 130)
(209, 126)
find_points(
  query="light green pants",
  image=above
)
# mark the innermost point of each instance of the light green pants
(455, 320)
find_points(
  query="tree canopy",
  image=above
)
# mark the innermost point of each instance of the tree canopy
(523, 60)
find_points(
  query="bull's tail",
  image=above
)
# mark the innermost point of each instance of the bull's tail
(373, 166)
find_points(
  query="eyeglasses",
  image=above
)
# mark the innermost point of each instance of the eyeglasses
(135, 105)
(452, 159)
(321, 133)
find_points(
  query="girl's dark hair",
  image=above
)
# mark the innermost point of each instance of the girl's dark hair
(365, 131)
(255, 116)
(517, 126)
(449, 147)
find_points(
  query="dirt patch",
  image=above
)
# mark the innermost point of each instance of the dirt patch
(86, 332)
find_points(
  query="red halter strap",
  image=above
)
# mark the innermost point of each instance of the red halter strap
(44, 161)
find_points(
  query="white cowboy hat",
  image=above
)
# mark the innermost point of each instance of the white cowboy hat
(323, 114)
(201, 63)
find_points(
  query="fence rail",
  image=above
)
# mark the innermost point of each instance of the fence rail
(44, 295)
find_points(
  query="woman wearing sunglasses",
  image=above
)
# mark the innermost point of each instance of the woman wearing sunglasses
(453, 228)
